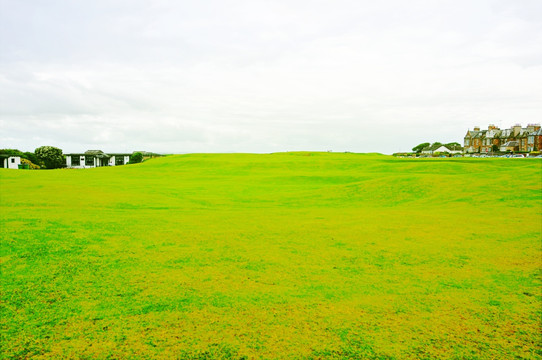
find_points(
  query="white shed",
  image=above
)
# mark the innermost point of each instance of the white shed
(10, 162)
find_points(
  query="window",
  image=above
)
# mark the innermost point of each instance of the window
(119, 160)
(76, 161)
(13, 160)
(89, 160)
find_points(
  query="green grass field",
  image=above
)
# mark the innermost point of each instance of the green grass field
(276, 256)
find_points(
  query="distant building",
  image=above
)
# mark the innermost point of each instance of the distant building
(96, 158)
(449, 149)
(516, 138)
(437, 148)
(9, 161)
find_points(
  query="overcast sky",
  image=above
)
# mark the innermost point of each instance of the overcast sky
(264, 76)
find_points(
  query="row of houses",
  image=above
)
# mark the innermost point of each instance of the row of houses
(515, 139)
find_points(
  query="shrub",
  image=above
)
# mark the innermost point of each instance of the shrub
(31, 157)
(29, 163)
(135, 158)
(51, 156)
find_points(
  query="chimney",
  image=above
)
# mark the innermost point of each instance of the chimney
(476, 128)
(492, 127)
(533, 127)
(517, 129)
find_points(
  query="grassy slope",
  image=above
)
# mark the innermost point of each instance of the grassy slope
(303, 255)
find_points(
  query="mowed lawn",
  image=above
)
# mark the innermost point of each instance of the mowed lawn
(275, 256)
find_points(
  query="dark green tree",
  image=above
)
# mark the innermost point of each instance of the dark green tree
(12, 152)
(420, 147)
(136, 157)
(453, 145)
(51, 156)
(32, 157)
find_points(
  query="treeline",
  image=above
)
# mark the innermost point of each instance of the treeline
(50, 157)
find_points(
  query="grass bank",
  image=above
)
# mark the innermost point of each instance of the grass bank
(290, 255)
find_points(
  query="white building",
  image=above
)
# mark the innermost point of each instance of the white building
(443, 149)
(10, 162)
(95, 158)
(430, 150)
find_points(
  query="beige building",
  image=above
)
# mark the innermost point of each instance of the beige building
(516, 138)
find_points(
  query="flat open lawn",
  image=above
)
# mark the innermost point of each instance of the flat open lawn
(292, 256)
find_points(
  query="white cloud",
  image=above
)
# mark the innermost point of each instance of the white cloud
(264, 76)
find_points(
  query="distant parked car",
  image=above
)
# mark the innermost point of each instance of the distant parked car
(518, 156)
